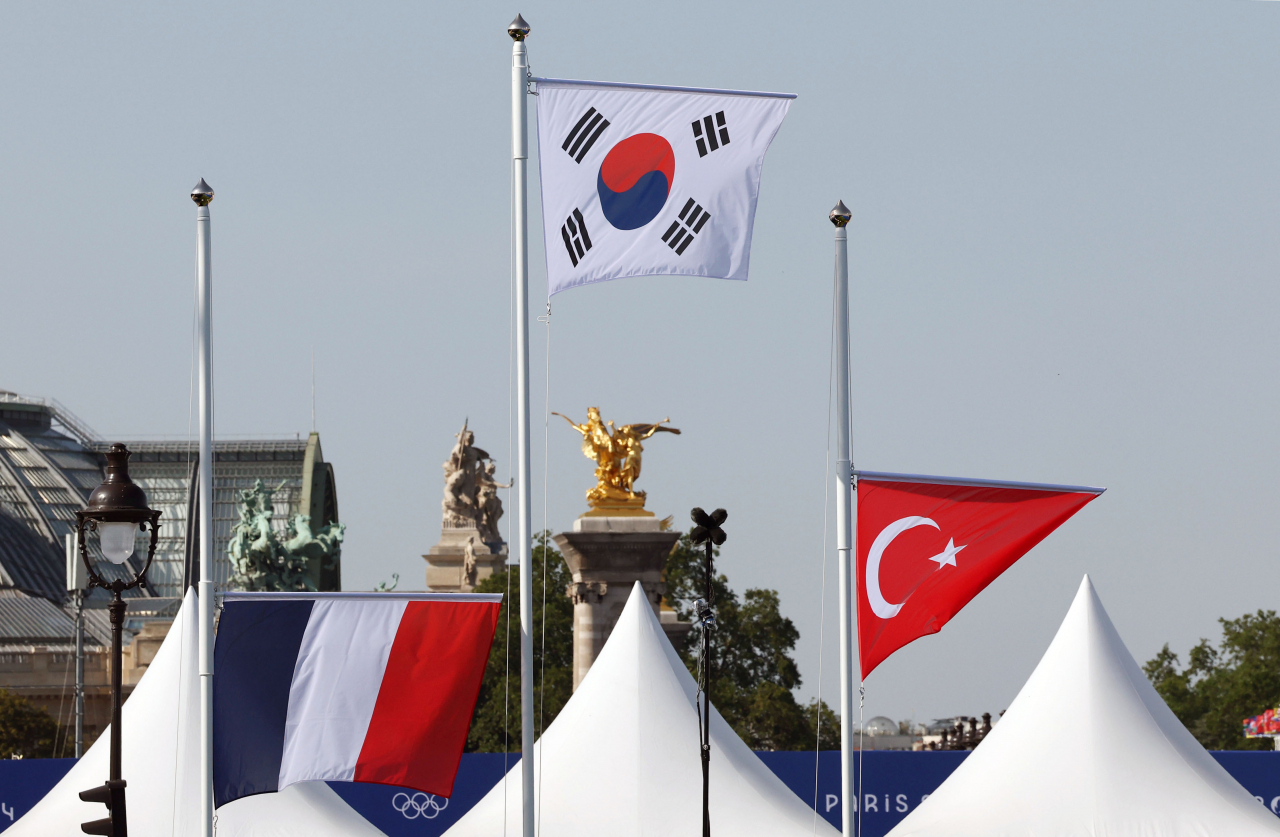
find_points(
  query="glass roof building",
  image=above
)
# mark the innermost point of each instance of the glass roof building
(50, 461)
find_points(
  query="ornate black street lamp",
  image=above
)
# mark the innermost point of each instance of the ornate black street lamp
(117, 511)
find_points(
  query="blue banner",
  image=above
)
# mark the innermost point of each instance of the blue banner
(24, 782)
(896, 783)
(401, 811)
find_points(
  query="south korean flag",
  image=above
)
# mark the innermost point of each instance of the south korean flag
(641, 181)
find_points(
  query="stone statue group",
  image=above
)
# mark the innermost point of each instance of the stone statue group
(471, 489)
(267, 560)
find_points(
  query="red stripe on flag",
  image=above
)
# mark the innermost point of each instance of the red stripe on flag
(428, 694)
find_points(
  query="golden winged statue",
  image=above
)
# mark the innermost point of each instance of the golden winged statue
(617, 452)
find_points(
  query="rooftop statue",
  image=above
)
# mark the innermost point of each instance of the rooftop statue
(617, 453)
(471, 489)
(265, 561)
(470, 548)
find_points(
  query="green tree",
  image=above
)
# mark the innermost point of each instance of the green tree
(753, 674)
(828, 731)
(25, 730)
(1221, 686)
(496, 723)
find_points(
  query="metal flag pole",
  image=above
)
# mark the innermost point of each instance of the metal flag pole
(519, 30)
(79, 673)
(77, 580)
(844, 517)
(203, 196)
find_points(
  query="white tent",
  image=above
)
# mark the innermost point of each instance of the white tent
(1089, 748)
(160, 754)
(622, 759)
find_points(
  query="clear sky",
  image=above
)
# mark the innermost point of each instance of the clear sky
(1063, 248)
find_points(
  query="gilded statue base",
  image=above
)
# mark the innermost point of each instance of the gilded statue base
(618, 511)
(609, 501)
(619, 507)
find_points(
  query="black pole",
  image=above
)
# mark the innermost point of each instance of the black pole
(117, 824)
(706, 531)
(706, 705)
(117, 609)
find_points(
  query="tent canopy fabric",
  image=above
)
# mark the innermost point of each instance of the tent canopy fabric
(160, 752)
(622, 757)
(1089, 748)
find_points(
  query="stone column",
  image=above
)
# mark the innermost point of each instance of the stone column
(606, 556)
(448, 569)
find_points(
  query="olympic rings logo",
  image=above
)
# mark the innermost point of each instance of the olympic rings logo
(419, 805)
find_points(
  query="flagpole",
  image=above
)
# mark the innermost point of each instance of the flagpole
(203, 196)
(519, 30)
(844, 516)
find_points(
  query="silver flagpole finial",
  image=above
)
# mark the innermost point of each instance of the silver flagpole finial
(518, 30)
(202, 194)
(840, 215)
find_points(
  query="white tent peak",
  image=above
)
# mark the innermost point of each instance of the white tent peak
(1089, 747)
(160, 752)
(622, 756)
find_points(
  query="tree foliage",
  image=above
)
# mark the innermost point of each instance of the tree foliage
(495, 727)
(1221, 686)
(753, 674)
(26, 731)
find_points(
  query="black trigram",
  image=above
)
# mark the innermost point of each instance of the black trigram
(681, 232)
(705, 132)
(574, 233)
(585, 134)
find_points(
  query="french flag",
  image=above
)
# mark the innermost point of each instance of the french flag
(354, 687)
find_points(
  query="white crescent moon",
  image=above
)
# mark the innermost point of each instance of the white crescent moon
(879, 606)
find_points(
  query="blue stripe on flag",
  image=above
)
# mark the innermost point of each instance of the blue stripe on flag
(254, 657)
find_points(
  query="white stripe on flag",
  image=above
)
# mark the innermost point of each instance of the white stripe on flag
(335, 685)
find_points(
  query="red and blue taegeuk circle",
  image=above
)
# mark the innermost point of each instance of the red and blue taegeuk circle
(635, 179)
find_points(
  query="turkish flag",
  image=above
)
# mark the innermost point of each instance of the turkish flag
(927, 545)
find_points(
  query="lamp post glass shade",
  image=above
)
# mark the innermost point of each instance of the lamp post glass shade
(116, 540)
